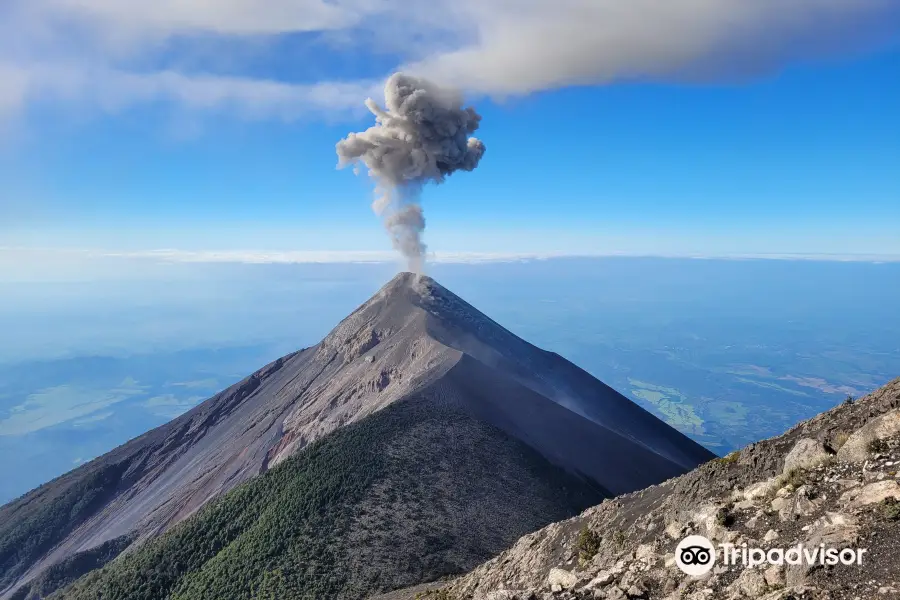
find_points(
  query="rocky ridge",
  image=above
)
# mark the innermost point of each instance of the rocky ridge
(832, 480)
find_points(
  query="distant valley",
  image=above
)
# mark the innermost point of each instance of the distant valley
(724, 366)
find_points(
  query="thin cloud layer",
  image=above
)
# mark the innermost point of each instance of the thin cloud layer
(82, 50)
(164, 17)
(115, 90)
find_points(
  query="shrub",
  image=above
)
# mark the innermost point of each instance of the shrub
(588, 544)
(890, 509)
(725, 515)
(728, 458)
(877, 446)
(839, 440)
(794, 478)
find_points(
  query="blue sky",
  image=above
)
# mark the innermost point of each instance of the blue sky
(663, 127)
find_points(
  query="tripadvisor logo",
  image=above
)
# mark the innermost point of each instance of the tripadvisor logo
(695, 555)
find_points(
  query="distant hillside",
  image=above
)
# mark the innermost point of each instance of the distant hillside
(413, 363)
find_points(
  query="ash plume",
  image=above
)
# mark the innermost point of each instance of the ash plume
(421, 136)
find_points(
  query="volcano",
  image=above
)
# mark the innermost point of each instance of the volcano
(418, 439)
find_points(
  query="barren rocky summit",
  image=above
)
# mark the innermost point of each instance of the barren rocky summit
(832, 480)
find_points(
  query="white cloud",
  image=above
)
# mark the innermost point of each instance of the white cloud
(165, 17)
(113, 90)
(79, 260)
(61, 404)
(13, 88)
(79, 50)
(524, 46)
(75, 51)
(298, 257)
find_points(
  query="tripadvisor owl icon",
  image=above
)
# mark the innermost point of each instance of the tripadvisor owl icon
(695, 555)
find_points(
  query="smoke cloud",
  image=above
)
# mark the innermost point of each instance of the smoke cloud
(421, 136)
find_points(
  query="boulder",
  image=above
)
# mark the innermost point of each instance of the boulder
(759, 490)
(856, 448)
(751, 582)
(835, 530)
(795, 575)
(560, 579)
(871, 493)
(603, 578)
(806, 454)
(774, 576)
(616, 594)
(707, 521)
(675, 530)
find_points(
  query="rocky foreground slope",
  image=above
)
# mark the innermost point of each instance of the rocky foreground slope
(832, 480)
(433, 386)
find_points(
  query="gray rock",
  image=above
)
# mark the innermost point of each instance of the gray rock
(871, 493)
(636, 591)
(856, 448)
(759, 490)
(835, 530)
(806, 454)
(795, 575)
(603, 578)
(563, 579)
(774, 576)
(751, 582)
(615, 594)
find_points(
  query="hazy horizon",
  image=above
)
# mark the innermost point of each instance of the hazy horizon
(728, 351)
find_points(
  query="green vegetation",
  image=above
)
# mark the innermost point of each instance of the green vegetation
(839, 440)
(277, 536)
(671, 405)
(618, 538)
(728, 458)
(63, 573)
(890, 509)
(795, 478)
(36, 523)
(725, 515)
(877, 446)
(588, 544)
(321, 524)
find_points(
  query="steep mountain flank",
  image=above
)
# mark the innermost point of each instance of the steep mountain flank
(412, 342)
(415, 491)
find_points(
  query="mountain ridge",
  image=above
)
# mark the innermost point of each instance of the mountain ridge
(831, 479)
(412, 335)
